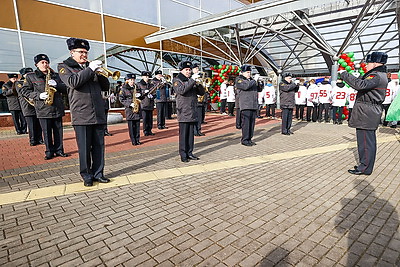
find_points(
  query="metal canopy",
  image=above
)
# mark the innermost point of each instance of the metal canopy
(301, 36)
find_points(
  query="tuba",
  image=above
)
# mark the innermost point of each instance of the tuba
(135, 101)
(206, 83)
(49, 89)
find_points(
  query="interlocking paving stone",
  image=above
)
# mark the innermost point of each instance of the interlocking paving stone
(296, 210)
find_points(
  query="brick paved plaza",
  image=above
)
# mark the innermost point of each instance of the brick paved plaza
(288, 201)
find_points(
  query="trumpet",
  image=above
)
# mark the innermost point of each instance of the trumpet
(108, 73)
(167, 78)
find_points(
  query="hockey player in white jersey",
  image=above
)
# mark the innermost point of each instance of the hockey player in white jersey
(338, 97)
(300, 99)
(325, 90)
(312, 101)
(269, 93)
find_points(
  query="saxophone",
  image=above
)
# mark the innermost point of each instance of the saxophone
(49, 89)
(135, 101)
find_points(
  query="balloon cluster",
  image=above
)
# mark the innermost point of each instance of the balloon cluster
(345, 114)
(346, 62)
(222, 72)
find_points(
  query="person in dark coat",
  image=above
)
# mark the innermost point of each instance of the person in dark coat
(186, 105)
(200, 100)
(106, 96)
(9, 90)
(49, 114)
(162, 94)
(28, 109)
(85, 83)
(247, 94)
(130, 97)
(287, 90)
(367, 110)
(145, 87)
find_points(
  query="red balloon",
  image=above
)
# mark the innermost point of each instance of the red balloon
(344, 56)
(363, 65)
(223, 66)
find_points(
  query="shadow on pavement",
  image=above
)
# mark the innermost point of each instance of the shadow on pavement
(371, 224)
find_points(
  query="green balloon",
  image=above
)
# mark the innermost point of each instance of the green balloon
(340, 61)
(219, 104)
(352, 59)
(348, 68)
(344, 64)
(350, 54)
(219, 83)
(212, 97)
(219, 66)
(351, 71)
(343, 116)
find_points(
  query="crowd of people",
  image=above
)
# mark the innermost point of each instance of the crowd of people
(36, 103)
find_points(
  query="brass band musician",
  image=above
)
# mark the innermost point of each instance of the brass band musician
(45, 87)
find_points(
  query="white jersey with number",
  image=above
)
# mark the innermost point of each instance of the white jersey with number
(312, 95)
(222, 93)
(325, 91)
(269, 95)
(300, 96)
(351, 97)
(339, 96)
(391, 87)
(231, 94)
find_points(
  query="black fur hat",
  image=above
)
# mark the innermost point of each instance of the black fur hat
(157, 72)
(185, 64)
(245, 68)
(74, 43)
(40, 57)
(12, 75)
(130, 76)
(24, 71)
(195, 65)
(146, 73)
(377, 57)
(287, 74)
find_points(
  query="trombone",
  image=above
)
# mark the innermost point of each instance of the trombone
(108, 73)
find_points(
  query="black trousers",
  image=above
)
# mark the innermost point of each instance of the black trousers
(169, 110)
(270, 110)
(350, 110)
(385, 108)
(339, 110)
(300, 112)
(34, 130)
(366, 145)
(197, 126)
(186, 139)
(161, 113)
(287, 114)
(105, 127)
(238, 119)
(312, 113)
(248, 118)
(223, 106)
(52, 135)
(147, 116)
(90, 141)
(231, 107)
(323, 107)
(203, 112)
(134, 131)
(19, 121)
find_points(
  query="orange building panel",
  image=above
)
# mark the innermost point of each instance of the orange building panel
(128, 32)
(7, 15)
(46, 18)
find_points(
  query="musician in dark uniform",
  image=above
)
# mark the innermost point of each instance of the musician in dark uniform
(247, 89)
(130, 97)
(28, 109)
(145, 88)
(367, 110)
(106, 109)
(49, 114)
(200, 100)
(162, 94)
(186, 91)
(84, 84)
(9, 90)
(287, 91)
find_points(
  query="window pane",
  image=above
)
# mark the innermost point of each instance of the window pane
(92, 5)
(174, 14)
(133, 9)
(10, 55)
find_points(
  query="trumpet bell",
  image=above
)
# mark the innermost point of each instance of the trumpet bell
(108, 73)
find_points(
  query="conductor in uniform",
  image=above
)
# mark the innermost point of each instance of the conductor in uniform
(367, 110)
(186, 91)
(247, 93)
(9, 90)
(49, 113)
(84, 85)
(287, 91)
